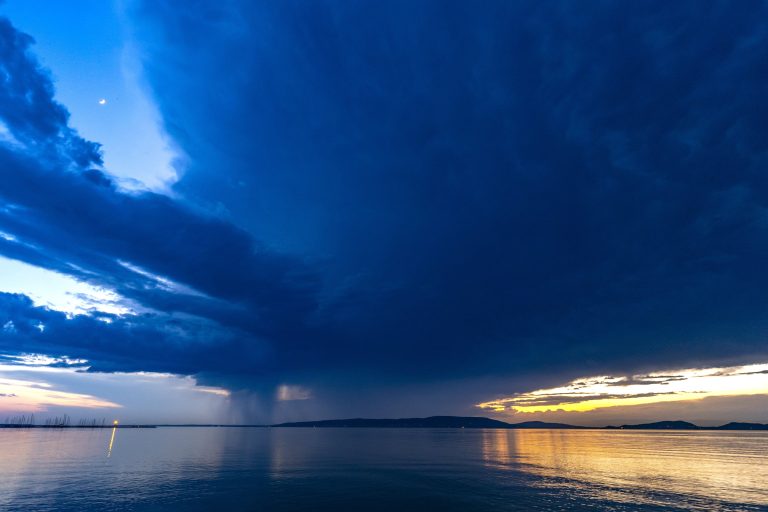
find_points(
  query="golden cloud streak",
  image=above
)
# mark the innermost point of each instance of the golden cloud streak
(592, 393)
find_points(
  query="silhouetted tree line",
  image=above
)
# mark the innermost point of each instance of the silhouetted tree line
(58, 421)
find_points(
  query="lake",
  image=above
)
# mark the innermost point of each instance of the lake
(274, 469)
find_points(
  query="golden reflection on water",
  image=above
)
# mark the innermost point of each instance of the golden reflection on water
(111, 440)
(498, 446)
(622, 465)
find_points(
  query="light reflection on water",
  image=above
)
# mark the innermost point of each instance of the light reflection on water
(640, 466)
(111, 441)
(380, 469)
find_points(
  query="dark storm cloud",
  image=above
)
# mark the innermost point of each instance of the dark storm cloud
(505, 187)
(149, 342)
(29, 113)
(644, 380)
(66, 221)
(415, 191)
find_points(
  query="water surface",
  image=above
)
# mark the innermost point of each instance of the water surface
(244, 469)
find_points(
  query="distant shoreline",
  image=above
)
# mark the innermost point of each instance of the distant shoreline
(457, 422)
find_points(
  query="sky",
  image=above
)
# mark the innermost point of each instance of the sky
(232, 211)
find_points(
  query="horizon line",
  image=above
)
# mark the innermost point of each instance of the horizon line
(472, 422)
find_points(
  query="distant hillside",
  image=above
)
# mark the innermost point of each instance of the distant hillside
(541, 424)
(480, 422)
(734, 425)
(663, 425)
(684, 425)
(431, 422)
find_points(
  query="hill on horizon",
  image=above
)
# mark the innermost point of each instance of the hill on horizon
(482, 422)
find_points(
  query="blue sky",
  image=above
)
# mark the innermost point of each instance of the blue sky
(292, 210)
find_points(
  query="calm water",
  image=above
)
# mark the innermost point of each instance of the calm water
(193, 469)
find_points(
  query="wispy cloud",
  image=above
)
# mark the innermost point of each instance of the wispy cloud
(32, 396)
